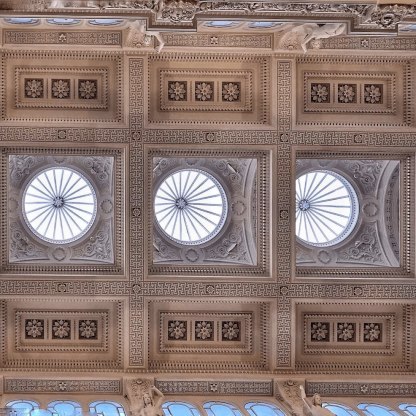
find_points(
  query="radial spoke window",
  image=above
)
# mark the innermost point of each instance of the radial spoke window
(326, 208)
(59, 205)
(190, 206)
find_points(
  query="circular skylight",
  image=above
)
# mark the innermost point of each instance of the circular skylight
(59, 205)
(326, 208)
(191, 206)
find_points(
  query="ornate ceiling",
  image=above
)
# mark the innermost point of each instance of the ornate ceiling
(255, 95)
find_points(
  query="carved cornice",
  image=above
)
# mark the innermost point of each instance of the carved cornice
(369, 17)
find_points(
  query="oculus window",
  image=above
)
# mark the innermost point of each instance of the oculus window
(326, 208)
(190, 206)
(59, 205)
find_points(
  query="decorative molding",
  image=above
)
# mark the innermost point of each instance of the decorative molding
(136, 333)
(62, 37)
(35, 385)
(239, 327)
(360, 389)
(215, 387)
(323, 351)
(405, 43)
(69, 88)
(218, 40)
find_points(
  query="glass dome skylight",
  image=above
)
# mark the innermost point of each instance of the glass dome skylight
(326, 208)
(59, 205)
(191, 206)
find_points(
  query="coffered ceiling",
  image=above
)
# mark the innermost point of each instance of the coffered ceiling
(253, 95)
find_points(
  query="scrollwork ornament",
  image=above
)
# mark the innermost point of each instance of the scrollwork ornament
(98, 246)
(365, 249)
(22, 248)
(389, 16)
(101, 167)
(20, 167)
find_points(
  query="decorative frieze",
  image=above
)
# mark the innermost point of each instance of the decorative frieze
(213, 40)
(215, 387)
(53, 87)
(55, 37)
(35, 385)
(360, 389)
(366, 334)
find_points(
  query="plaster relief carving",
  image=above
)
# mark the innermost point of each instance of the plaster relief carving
(288, 393)
(313, 407)
(139, 37)
(144, 398)
(300, 35)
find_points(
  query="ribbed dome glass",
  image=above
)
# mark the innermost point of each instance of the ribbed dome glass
(59, 205)
(326, 208)
(191, 206)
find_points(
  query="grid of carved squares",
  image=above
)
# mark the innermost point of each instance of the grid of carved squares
(204, 91)
(346, 93)
(64, 329)
(205, 330)
(60, 88)
(345, 331)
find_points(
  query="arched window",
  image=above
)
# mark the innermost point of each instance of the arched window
(408, 408)
(339, 409)
(221, 409)
(263, 409)
(65, 408)
(107, 408)
(22, 407)
(179, 409)
(372, 409)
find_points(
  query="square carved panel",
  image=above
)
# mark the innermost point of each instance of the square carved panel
(352, 92)
(62, 333)
(64, 211)
(356, 335)
(366, 238)
(209, 91)
(190, 227)
(201, 334)
(65, 88)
